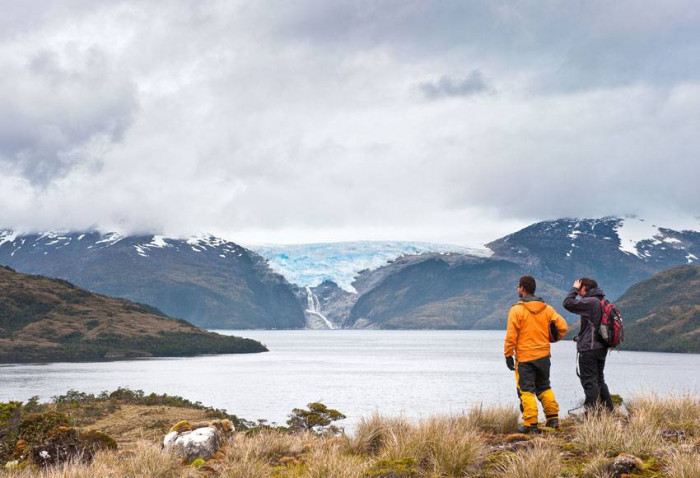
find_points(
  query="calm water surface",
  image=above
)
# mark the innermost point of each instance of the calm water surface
(417, 373)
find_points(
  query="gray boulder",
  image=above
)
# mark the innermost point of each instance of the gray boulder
(199, 443)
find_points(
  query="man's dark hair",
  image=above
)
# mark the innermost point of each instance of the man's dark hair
(528, 283)
(588, 283)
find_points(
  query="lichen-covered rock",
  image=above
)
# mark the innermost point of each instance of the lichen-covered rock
(225, 427)
(200, 443)
(182, 426)
(625, 464)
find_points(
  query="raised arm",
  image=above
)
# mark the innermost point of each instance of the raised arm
(573, 305)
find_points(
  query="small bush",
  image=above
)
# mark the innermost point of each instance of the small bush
(317, 418)
(35, 427)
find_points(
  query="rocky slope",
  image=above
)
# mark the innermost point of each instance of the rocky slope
(44, 319)
(662, 313)
(209, 281)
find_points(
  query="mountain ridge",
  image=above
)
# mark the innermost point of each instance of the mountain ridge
(662, 313)
(210, 281)
(219, 284)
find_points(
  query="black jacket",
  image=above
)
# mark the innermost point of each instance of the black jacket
(591, 311)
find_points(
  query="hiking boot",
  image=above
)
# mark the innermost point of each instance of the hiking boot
(552, 423)
(526, 429)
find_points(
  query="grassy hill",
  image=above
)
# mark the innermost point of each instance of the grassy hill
(662, 313)
(43, 319)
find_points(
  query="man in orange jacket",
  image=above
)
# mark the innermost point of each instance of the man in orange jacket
(528, 337)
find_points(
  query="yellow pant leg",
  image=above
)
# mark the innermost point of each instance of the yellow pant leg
(549, 403)
(528, 403)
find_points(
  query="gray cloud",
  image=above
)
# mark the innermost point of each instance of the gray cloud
(62, 107)
(280, 122)
(446, 86)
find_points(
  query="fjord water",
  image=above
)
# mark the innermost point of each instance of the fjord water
(417, 373)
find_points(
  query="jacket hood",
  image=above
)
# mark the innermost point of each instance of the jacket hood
(596, 292)
(534, 304)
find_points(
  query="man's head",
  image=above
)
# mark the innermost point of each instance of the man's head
(586, 285)
(526, 286)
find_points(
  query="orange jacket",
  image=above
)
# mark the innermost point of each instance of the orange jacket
(528, 329)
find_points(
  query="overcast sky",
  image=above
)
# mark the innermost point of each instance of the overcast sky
(315, 120)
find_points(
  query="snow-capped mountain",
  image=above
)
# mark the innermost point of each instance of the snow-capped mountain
(210, 281)
(308, 265)
(617, 251)
(219, 284)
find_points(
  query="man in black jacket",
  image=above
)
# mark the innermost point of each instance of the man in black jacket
(592, 351)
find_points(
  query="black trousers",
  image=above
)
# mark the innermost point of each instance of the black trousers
(533, 376)
(591, 365)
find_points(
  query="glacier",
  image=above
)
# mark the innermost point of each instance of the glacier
(308, 265)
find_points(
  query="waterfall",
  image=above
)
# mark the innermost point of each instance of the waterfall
(313, 307)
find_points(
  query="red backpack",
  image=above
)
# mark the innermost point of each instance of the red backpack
(610, 330)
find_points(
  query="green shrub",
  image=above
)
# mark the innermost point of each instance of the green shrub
(35, 427)
(317, 418)
(95, 440)
(9, 428)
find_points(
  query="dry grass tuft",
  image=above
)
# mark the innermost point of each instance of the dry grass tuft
(542, 460)
(679, 411)
(598, 467)
(328, 461)
(495, 419)
(607, 433)
(683, 465)
(147, 460)
(269, 446)
(445, 446)
(369, 435)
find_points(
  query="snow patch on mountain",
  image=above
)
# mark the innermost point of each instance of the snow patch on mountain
(110, 238)
(308, 265)
(7, 236)
(633, 230)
